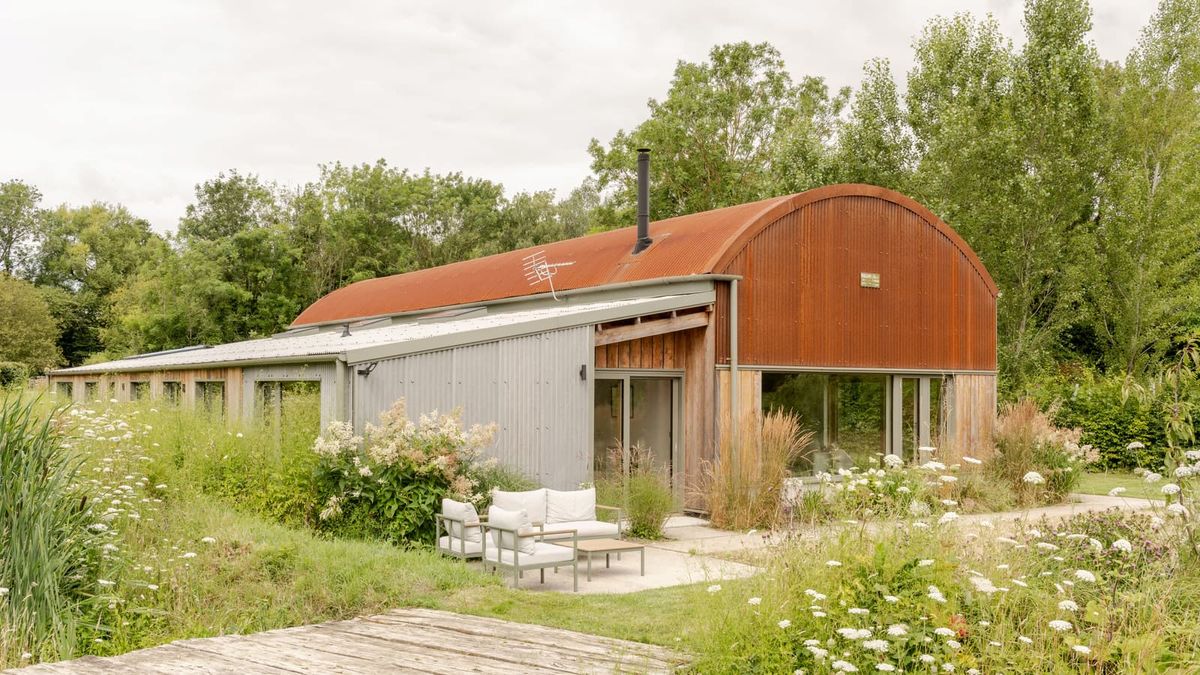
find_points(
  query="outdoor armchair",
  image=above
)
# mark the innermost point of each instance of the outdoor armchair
(512, 547)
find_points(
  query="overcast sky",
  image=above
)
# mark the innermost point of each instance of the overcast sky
(136, 102)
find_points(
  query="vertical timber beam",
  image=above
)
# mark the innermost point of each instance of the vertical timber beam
(733, 368)
(341, 382)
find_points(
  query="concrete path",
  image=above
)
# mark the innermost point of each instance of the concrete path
(400, 641)
(693, 552)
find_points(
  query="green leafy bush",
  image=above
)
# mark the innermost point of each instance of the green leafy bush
(645, 496)
(389, 483)
(13, 375)
(1110, 421)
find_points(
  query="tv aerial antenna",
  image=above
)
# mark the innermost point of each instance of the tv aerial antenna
(537, 270)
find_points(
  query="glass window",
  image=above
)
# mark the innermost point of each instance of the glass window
(91, 390)
(139, 391)
(858, 420)
(211, 396)
(803, 395)
(66, 389)
(173, 392)
(609, 434)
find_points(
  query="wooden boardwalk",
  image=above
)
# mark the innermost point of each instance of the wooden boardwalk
(400, 641)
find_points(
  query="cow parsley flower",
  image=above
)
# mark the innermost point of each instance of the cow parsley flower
(1170, 489)
(875, 645)
(1123, 545)
(972, 460)
(891, 598)
(1176, 509)
(1058, 625)
(935, 594)
(885, 667)
(833, 563)
(943, 631)
(1151, 477)
(1068, 606)
(1082, 649)
(843, 666)
(947, 517)
(924, 563)
(1033, 478)
(893, 461)
(1024, 640)
(754, 601)
(784, 623)
(858, 610)
(714, 588)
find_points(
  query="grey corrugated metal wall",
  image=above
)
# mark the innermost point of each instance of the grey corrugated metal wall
(313, 372)
(529, 386)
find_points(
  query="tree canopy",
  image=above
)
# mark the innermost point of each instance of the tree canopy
(1075, 180)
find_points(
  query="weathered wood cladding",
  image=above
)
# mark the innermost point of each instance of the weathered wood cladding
(692, 352)
(120, 385)
(801, 301)
(972, 419)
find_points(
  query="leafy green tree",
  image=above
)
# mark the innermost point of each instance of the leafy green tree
(713, 135)
(88, 253)
(28, 332)
(230, 204)
(1008, 155)
(874, 145)
(1147, 277)
(19, 226)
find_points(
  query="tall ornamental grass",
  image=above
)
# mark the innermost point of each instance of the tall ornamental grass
(744, 488)
(44, 544)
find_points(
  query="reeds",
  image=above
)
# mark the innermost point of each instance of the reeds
(43, 535)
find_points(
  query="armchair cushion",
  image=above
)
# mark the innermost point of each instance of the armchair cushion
(541, 554)
(456, 545)
(533, 502)
(465, 512)
(587, 529)
(511, 520)
(570, 505)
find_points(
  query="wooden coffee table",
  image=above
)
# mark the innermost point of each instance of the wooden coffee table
(607, 547)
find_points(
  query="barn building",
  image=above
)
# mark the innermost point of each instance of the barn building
(851, 305)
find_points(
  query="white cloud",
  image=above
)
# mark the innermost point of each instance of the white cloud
(136, 102)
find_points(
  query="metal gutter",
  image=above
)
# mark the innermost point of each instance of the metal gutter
(858, 370)
(387, 351)
(239, 363)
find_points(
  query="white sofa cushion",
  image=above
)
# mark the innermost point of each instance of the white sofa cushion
(533, 502)
(456, 545)
(465, 512)
(563, 506)
(511, 520)
(541, 554)
(587, 529)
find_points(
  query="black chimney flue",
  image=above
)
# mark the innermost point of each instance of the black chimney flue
(643, 201)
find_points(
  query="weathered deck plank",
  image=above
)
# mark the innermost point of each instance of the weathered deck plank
(400, 641)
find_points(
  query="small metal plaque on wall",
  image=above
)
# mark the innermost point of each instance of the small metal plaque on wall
(868, 280)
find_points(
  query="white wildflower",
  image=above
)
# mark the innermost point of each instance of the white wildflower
(1082, 649)
(1033, 478)
(1024, 640)
(924, 563)
(897, 630)
(1059, 625)
(208, 540)
(833, 563)
(893, 461)
(1151, 477)
(947, 517)
(972, 460)
(1123, 545)
(714, 588)
(754, 601)
(935, 594)
(875, 645)
(1169, 489)
(784, 623)
(943, 631)
(885, 667)
(844, 666)
(1068, 606)
(858, 610)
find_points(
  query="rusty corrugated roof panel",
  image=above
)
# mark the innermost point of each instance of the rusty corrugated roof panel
(700, 243)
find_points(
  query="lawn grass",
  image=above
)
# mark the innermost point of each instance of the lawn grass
(1101, 483)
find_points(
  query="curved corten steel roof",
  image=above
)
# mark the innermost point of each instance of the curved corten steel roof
(701, 243)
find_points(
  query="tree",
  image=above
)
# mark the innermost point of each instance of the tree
(19, 226)
(713, 135)
(874, 145)
(1147, 280)
(1008, 144)
(88, 254)
(28, 332)
(230, 204)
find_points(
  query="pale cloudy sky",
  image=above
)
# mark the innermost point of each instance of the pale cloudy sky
(136, 102)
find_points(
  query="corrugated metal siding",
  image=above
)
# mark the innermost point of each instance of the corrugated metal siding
(528, 386)
(800, 302)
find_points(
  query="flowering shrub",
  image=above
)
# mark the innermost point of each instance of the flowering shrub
(389, 483)
(1065, 597)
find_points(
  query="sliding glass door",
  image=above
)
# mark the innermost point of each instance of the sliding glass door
(636, 423)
